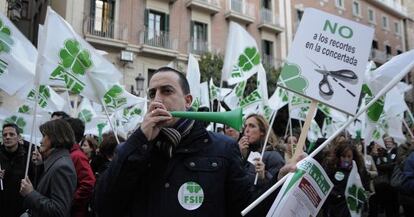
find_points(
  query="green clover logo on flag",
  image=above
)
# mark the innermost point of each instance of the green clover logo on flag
(249, 58)
(74, 63)
(24, 109)
(113, 99)
(19, 121)
(85, 115)
(5, 40)
(239, 89)
(196, 104)
(291, 78)
(44, 95)
(356, 199)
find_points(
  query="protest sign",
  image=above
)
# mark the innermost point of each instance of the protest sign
(327, 60)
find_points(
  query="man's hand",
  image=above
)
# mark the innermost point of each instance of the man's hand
(290, 167)
(155, 118)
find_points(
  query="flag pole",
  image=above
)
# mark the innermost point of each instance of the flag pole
(265, 142)
(1, 182)
(408, 128)
(384, 90)
(305, 129)
(109, 120)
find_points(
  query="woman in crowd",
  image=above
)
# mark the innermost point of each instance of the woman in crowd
(338, 166)
(89, 145)
(106, 153)
(54, 193)
(290, 147)
(255, 130)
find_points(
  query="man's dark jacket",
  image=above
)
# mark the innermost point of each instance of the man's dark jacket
(142, 181)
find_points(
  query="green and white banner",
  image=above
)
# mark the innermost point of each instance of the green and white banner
(242, 57)
(17, 57)
(303, 192)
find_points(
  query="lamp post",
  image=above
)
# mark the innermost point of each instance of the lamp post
(139, 83)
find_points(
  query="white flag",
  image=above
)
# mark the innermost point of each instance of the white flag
(193, 78)
(17, 57)
(242, 57)
(68, 57)
(355, 193)
(85, 111)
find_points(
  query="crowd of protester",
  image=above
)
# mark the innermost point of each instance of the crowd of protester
(72, 174)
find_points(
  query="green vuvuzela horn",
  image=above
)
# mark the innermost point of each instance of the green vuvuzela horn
(231, 118)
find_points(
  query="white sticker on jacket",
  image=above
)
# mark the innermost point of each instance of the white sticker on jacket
(190, 195)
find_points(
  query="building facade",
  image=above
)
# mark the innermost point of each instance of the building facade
(148, 34)
(142, 35)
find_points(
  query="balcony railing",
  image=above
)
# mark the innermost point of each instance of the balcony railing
(242, 7)
(393, 5)
(105, 28)
(197, 46)
(268, 17)
(157, 38)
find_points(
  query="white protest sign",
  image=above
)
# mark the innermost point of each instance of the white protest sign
(304, 191)
(327, 60)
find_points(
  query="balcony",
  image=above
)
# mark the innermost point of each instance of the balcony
(208, 6)
(270, 60)
(269, 22)
(240, 11)
(391, 6)
(378, 56)
(156, 42)
(197, 46)
(106, 32)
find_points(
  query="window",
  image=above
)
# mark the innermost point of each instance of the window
(371, 16)
(157, 28)
(356, 8)
(397, 28)
(267, 4)
(340, 4)
(388, 50)
(150, 74)
(374, 44)
(299, 14)
(385, 22)
(267, 52)
(199, 36)
(102, 16)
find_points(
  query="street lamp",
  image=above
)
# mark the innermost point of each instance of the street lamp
(139, 83)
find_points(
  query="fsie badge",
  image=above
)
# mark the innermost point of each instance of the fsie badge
(190, 195)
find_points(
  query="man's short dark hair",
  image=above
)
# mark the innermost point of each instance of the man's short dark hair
(61, 114)
(78, 128)
(13, 125)
(185, 87)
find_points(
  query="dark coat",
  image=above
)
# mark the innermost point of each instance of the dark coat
(11, 202)
(141, 181)
(408, 184)
(54, 193)
(273, 162)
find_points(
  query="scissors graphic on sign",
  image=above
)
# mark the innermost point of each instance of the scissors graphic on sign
(325, 86)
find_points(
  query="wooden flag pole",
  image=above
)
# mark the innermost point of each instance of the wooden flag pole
(305, 129)
(408, 128)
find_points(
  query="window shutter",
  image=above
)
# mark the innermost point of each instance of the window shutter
(146, 14)
(167, 23)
